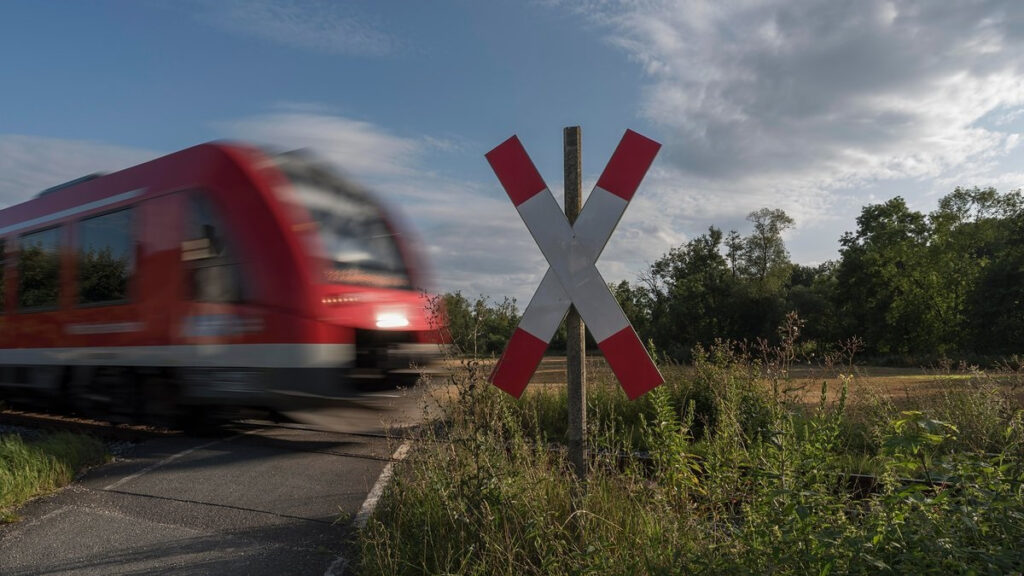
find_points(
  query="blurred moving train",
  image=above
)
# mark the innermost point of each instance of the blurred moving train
(216, 276)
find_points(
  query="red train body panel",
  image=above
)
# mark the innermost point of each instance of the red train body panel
(254, 279)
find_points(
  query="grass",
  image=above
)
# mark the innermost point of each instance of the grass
(29, 469)
(739, 464)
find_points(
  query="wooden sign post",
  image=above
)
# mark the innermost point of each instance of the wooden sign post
(575, 338)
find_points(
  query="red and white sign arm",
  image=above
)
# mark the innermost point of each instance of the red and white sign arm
(572, 252)
(615, 188)
(526, 348)
(619, 181)
(550, 302)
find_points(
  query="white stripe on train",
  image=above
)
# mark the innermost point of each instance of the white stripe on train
(187, 355)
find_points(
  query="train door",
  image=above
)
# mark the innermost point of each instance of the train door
(102, 323)
(222, 323)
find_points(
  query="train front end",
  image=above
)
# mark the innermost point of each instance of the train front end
(367, 284)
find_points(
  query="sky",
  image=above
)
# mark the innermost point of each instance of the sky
(817, 108)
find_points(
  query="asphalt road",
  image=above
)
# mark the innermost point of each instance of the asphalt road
(276, 500)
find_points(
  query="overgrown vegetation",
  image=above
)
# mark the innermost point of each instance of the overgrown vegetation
(32, 468)
(726, 469)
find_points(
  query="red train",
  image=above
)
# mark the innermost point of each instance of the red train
(215, 276)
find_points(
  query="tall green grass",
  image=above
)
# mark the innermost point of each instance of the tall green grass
(722, 470)
(29, 469)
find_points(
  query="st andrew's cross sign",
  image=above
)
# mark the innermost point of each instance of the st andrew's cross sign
(572, 278)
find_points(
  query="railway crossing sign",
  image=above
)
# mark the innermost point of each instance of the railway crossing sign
(571, 251)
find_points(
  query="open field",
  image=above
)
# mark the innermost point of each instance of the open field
(903, 386)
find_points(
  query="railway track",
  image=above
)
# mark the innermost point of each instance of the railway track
(268, 425)
(99, 428)
(252, 432)
(122, 431)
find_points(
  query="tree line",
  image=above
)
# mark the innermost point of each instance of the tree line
(909, 285)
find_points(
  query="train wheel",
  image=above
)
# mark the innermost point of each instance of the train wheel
(122, 389)
(161, 397)
(202, 421)
(81, 396)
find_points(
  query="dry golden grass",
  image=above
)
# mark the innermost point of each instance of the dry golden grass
(900, 385)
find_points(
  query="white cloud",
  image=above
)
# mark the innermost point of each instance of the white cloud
(360, 147)
(30, 164)
(798, 104)
(316, 25)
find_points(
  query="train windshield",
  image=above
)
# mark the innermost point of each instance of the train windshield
(358, 244)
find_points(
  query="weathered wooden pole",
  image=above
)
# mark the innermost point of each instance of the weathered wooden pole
(575, 341)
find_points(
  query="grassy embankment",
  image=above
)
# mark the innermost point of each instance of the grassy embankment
(29, 469)
(731, 467)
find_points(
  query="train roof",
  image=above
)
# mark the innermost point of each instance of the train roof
(189, 167)
(299, 164)
(97, 189)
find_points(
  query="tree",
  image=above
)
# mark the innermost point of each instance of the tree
(882, 293)
(693, 294)
(637, 304)
(972, 231)
(995, 306)
(811, 294)
(688, 289)
(763, 257)
(479, 327)
(762, 267)
(734, 251)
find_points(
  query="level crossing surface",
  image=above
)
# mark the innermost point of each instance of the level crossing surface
(273, 500)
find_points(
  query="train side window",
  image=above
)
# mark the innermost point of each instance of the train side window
(213, 273)
(39, 269)
(106, 258)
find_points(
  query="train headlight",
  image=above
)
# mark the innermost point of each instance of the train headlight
(392, 320)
